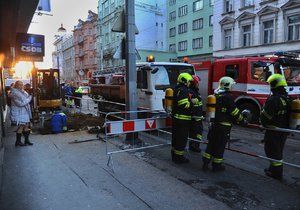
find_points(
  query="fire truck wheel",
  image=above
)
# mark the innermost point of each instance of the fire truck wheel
(254, 110)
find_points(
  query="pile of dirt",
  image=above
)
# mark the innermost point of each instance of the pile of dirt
(75, 122)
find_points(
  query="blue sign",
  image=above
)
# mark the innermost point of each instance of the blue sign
(30, 47)
(44, 5)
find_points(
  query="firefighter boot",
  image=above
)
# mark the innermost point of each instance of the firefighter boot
(18, 140)
(205, 164)
(26, 135)
(194, 146)
(216, 167)
(274, 174)
(179, 159)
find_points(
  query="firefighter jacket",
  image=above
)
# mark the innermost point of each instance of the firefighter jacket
(226, 110)
(276, 111)
(196, 109)
(182, 103)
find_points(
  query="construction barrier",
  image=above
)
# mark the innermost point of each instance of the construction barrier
(151, 120)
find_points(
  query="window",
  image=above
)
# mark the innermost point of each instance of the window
(172, 32)
(198, 24)
(228, 38)
(211, 20)
(294, 27)
(156, 23)
(246, 36)
(105, 7)
(197, 43)
(142, 79)
(172, 48)
(232, 71)
(228, 6)
(182, 28)
(172, 16)
(258, 73)
(182, 11)
(246, 3)
(210, 41)
(197, 5)
(172, 2)
(182, 46)
(211, 3)
(268, 32)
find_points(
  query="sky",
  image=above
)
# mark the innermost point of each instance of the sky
(66, 12)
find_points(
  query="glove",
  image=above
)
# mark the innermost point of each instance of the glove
(195, 101)
(244, 122)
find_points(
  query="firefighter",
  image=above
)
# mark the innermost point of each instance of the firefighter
(276, 113)
(219, 133)
(196, 126)
(181, 118)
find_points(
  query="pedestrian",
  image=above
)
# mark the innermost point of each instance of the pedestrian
(219, 133)
(276, 112)
(69, 93)
(58, 122)
(181, 118)
(196, 127)
(20, 112)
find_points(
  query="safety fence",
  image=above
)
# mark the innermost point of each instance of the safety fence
(118, 126)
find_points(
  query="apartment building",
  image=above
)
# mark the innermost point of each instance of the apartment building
(68, 55)
(256, 27)
(190, 28)
(85, 33)
(150, 19)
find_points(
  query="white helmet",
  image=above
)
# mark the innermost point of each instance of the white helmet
(225, 83)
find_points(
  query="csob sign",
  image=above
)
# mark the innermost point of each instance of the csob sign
(30, 47)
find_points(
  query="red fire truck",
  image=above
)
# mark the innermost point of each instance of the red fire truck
(250, 73)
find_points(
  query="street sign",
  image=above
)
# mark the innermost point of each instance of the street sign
(30, 47)
(119, 24)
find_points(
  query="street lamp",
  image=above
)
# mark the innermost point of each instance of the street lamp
(61, 29)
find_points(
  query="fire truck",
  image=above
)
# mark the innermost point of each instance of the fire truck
(250, 74)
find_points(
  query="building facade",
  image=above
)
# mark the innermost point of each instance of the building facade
(85, 33)
(150, 19)
(190, 28)
(68, 54)
(256, 27)
(57, 55)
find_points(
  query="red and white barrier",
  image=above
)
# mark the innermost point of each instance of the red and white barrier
(137, 125)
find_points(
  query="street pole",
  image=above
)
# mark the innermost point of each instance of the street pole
(131, 96)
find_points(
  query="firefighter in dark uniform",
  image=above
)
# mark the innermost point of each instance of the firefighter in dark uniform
(181, 118)
(219, 133)
(275, 113)
(196, 127)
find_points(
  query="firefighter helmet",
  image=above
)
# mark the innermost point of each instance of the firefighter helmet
(184, 78)
(276, 80)
(225, 83)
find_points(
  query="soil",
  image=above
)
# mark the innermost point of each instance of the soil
(75, 122)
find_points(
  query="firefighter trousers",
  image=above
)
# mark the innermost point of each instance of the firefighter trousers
(180, 131)
(274, 144)
(195, 132)
(218, 136)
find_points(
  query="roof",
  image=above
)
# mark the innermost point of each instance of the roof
(162, 64)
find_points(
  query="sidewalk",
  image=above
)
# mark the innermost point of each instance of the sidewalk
(53, 174)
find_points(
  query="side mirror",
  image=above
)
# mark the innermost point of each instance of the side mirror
(155, 70)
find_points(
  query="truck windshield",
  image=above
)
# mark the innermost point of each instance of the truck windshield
(166, 75)
(292, 75)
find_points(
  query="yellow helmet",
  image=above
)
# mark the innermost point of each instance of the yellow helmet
(225, 83)
(184, 78)
(276, 80)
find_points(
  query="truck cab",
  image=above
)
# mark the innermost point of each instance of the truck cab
(153, 78)
(250, 74)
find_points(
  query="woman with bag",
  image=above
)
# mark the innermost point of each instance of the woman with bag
(20, 112)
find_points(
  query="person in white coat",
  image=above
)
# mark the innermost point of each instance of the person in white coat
(20, 112)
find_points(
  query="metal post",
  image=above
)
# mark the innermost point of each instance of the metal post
(130, 57)
(131, 93)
